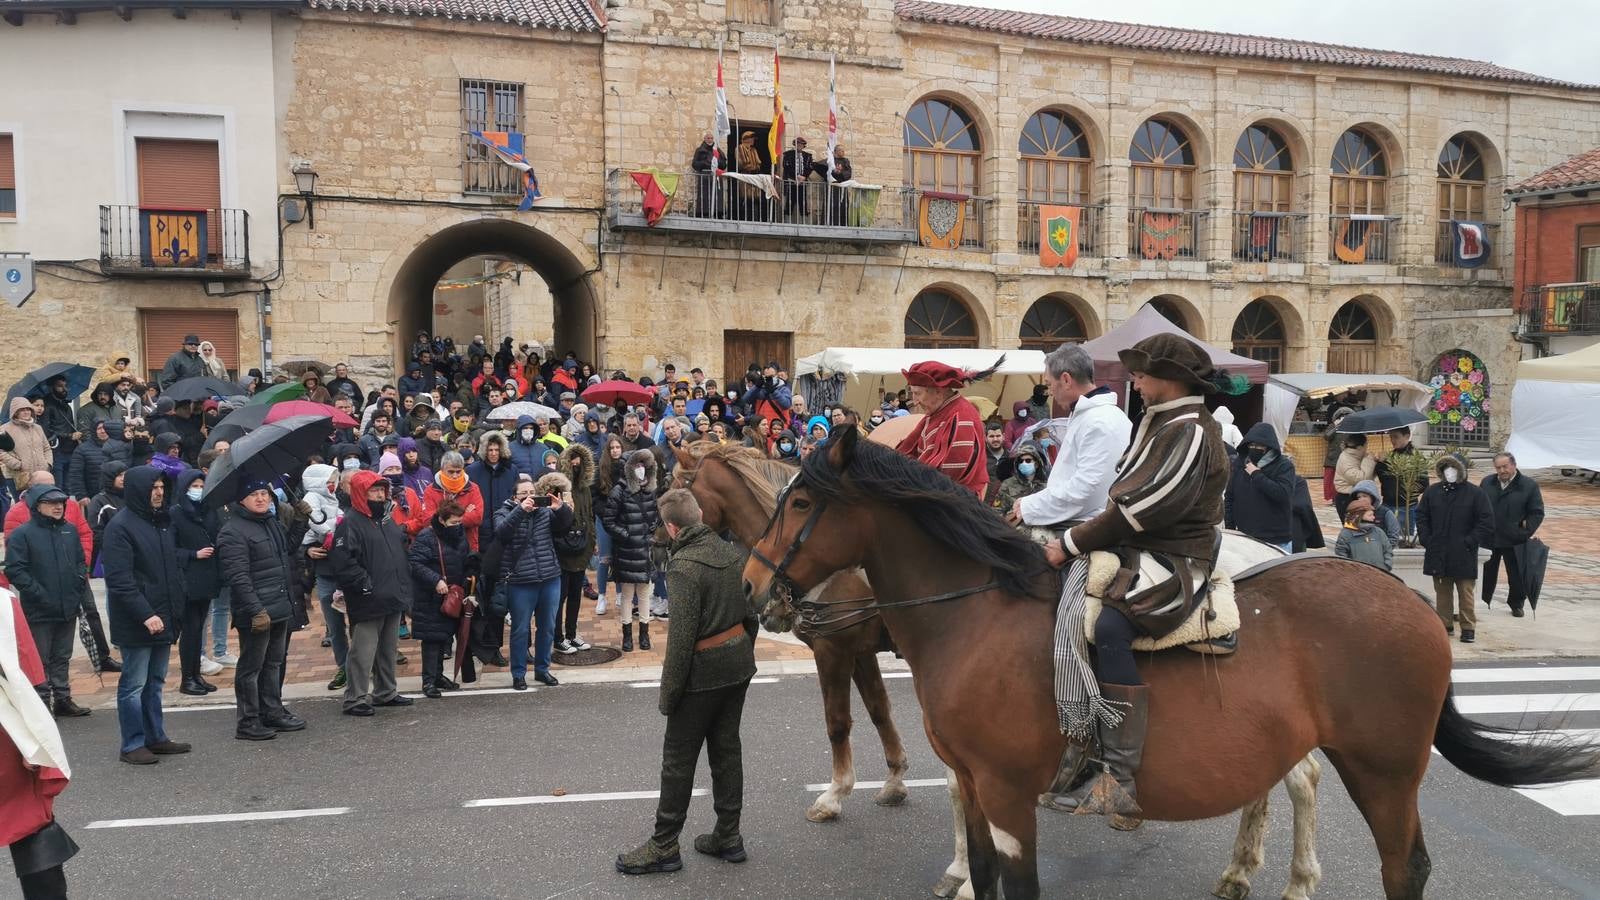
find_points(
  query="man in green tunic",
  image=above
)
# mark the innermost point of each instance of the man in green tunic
(709, 662)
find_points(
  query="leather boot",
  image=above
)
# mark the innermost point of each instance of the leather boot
(1073, 770)
(644, 635)
(193, 688)
(1111, 792)
(627, 638)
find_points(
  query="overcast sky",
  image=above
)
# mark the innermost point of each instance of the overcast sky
(1545, 37)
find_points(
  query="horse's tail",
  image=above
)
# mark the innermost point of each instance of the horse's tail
(1508, 757)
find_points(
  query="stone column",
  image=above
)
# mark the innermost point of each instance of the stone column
(1003, 184)
(1114, 235)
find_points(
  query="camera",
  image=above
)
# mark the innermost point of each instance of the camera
(542, 501)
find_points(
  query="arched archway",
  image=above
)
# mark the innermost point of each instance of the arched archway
(576, 305)
(1354, 333)
(939, 318)
(1179, 312)
(1051, 321)
(1259, 333)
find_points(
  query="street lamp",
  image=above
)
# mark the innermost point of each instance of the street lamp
(305, 181)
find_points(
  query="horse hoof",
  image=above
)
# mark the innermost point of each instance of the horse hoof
(891, 795)
(1231, 889)
(948, 886)
(822, 812)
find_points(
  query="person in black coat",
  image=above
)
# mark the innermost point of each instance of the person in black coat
(1453, 520)
(440, 559)
(369, 565)
(1307, 530)
(631, 518)
(797, 165)
(44, 561)
(196, 527)
(526, 529)
(144, 597)
(83, 469)
(705, 178)
(256, 558)
(1518, 508)
(1261, 489)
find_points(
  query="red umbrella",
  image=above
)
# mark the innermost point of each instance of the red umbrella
(607, 392)
(306, 408)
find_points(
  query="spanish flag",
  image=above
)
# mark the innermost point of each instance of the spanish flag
(775, 136)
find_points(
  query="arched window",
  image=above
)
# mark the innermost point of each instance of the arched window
(1459, 411)
(1051, 322)
(1055, 160)
(1360, 175)
(1163, 167)
(1259, 334)
(939, 319)
(1353, 340)
(942, 148)
(1462, 184)
(1175, 310)
(1263, 172)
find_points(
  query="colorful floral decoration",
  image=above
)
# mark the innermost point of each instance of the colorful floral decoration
(1460, 383)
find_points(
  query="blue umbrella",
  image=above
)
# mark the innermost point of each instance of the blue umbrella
(35, 383)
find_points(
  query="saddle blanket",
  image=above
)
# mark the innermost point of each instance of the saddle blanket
(1202, 625)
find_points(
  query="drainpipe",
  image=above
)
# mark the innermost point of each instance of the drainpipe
(264, 326)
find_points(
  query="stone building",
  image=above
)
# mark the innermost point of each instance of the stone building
(1557, 286)
(1291, 200)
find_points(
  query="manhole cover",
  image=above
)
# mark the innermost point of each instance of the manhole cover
(593, 656)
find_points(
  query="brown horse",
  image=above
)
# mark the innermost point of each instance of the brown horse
(737, 490)
(1333, 655)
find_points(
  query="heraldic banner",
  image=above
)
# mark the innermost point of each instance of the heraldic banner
(1058, 235)
(1158, 235)
(940, 219)
(1469, 245)
(659, 188)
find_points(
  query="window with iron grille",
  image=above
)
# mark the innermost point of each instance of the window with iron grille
(489, 106)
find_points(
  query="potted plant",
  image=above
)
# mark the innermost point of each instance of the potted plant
(1410, 472)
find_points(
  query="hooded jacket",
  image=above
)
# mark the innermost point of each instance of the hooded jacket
(257, 565)
(83, 469)
(528, 539)
(95, 411)
(196, 526)
(577, 464)
(109, 374)
(323, 504)
(631, 518)
(527, 456)
(105, 504)
(31, 450)
(1453, 521)
(416, 478)
(368, 561)
(1016, 487)
(495, 483)
(705, 579)
(45, 562)
(1386, 516)
(1259, 503)
(144, 575)
(1230, 432)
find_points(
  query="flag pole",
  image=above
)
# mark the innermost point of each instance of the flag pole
(716, 155)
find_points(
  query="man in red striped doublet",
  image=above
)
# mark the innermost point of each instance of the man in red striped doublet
(950, 435)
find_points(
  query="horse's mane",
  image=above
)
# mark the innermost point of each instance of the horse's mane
(765, 477)
(948, 512)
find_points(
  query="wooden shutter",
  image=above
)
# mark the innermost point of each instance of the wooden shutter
(8, 173)
(176, 174)
(163, 331)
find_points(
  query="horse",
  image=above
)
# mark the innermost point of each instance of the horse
(1334, 655)
(737, 489)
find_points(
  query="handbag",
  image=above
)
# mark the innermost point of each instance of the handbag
(572, 542)
(454, 593)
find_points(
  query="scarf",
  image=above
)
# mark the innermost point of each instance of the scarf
(1080, 709)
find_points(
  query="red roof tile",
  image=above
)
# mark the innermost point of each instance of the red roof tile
(1583, 169)
(562, 15)
(1210, 43)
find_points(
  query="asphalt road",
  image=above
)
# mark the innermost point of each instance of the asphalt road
(403, 778)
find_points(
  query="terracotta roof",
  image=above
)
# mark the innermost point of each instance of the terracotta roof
(1581, 170)
(1210, 43)
(562, 15)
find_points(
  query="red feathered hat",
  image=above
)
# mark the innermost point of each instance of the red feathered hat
(932, 374)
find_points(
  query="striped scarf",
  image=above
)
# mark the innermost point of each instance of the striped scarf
(1080, 710)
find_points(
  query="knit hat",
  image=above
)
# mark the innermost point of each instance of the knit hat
(250, 487)
(387, 460)
(1357, 508)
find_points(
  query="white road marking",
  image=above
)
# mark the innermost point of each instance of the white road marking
(873, 785)
(644, 684)
(1491, 704)
(224, 817)
(478, 692)
(1525, 673)
(572, 798)
(201, 708)
(897, 674)
(1576, 798)
(763, 681)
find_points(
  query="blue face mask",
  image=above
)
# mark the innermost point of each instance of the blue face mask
(352, 464)
(195, 494)
(1026, 469)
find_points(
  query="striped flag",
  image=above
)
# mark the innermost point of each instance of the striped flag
(833, 118)
(510, 148)
(720, 126)
(775, 136)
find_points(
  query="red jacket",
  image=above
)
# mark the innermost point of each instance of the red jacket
(950, 439)
(19, 513)
(435, 496)
(27, 795)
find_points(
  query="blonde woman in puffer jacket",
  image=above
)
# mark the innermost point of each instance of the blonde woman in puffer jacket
(321, 484)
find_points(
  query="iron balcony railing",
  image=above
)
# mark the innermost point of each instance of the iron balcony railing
(1557, 309)
(150, 240)
(974, 218)
(1363, 239)
(1089, 227)
(703, 196)
(1444, 243)
(1165, 234)
(1270, 237)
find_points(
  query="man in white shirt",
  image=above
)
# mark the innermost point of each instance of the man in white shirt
(1092, 439)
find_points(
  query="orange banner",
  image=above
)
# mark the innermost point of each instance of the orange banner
(1058, 235)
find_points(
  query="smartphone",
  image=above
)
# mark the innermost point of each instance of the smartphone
(543, 500)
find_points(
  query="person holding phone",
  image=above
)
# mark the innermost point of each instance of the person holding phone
(526, 527)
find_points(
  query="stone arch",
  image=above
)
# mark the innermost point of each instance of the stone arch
(1281, 348)
(1387, 135)
(1180, 116)
(1181, 312)
(413, 271)
(960, 93)
(1094, 139)
(982, 332)
(1294, 132)
(1094, 129)
(1043, 312)
(1353, 347)
(1493, 158)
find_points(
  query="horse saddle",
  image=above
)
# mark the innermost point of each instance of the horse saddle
(1212, 616)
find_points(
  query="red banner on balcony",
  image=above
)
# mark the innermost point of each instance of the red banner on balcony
(1469, 244)
(940, 219)
(1058, 235)
(1158, 235)
(659, 188)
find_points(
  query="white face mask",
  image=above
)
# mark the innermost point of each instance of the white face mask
(638, 472)
(1451, 475)
(527, 434)
(196, 493)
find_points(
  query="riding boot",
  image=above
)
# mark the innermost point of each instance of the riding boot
(644, 635)
(1111, 790)
(1071, 773)
(627, 639)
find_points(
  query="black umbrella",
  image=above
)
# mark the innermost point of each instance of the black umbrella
(270, 453)
(1533, 556)
(237, 424)
(1379, 419)
(34, 383)
(90, 648)
(194, 389)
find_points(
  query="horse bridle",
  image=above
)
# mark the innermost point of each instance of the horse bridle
(780, 570)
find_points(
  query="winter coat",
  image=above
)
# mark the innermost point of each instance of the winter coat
(1260, 503)
(130, 453)
(435, 496)
(104, 505)
(90, 413)
(258, 564)
(31, 450)
(27, 791)
(371, 447)
(1391, 484)
(1231, 436)
(144, 572)
(527, 457)
(83, 469)
(1307, 530)
(528, 539)
(180, 365)
(60, 423)
(705, 581)
(368, 561)
(1355, 465)
(196, 528)
(496, 484)
(45, 564)
(578, 465)
(1518, 509)
(1386, 516)
(429, 453)
(324, 506)
(1453, 521)
(214, 366)
(1366, 543)
(459, 562)
(631, 518)
(19, 514)
(415, 478)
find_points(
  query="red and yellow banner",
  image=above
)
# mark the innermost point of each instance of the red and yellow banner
(1058, 235)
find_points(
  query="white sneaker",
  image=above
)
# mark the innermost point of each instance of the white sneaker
(565, 648)
(578, 643)
(209, 666)
(228, 659)
(600, 606)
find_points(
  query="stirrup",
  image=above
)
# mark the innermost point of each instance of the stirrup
(1072, 773)
(1226, 645)
(1105, 796)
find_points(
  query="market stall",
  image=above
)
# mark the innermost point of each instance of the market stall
(1318, 393)
(1552, 404)
(858, 376)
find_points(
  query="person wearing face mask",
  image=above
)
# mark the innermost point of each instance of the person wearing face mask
(452, 483)
(527, 451)
(440, 560)
(405, 507)
(257, 561)
(1261, 488)
(196, 526)
(531, 570)
(787, 446)
(1016, 430)
(369, 565)
(1030, 474)
(631, 518)
(30, 450)
(874, 420)
(1454, 519)
(320, 491)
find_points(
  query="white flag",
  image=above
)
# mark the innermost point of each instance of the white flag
(833, 118)
(720, 127)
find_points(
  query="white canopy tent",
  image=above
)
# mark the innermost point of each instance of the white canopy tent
(1284, 392)
(866, 372)
(1551, 411)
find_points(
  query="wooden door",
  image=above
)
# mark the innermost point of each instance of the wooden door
(741, 348)
(176, 174)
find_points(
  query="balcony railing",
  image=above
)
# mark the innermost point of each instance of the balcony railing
(1444, 244)
(974, 228)
(145, 240)
(1028, 228)
(1270, 237)
(1556, 309)
(1169, 234)
(707, 204)
(1359, 239)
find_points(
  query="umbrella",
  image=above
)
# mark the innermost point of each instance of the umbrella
(1533, 557)
(607, 392)
(90, 648)
(269, 453)
(289, 390)
(277, 412)
(202, 388)
(893, 431)
(237, 424)
(298, 367)
(469, 607)
(1379, 419)
(514, 411)
(33, 383)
